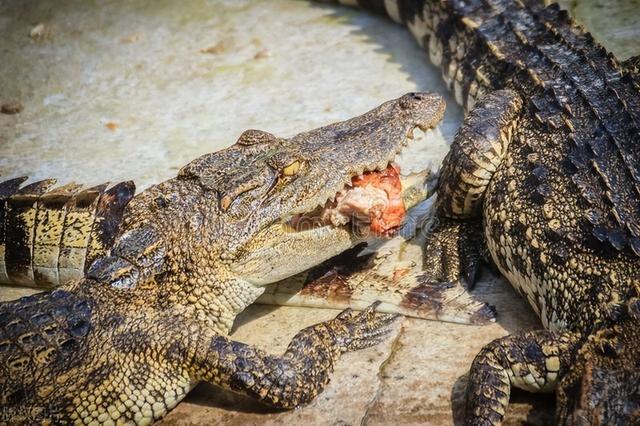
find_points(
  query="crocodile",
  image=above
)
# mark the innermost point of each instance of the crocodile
(543, 179)
(125, 342)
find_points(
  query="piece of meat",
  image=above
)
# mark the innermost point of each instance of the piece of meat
(360, 203)
(385, 219)
(375, 198)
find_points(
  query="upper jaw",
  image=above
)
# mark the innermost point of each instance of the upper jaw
(370, 142)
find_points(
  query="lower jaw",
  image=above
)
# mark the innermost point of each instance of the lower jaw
(290, 253)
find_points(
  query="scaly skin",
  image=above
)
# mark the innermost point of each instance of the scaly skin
(545, 175)
(51, 237)
(128, 341)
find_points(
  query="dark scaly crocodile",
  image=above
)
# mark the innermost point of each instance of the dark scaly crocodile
(125, 343)
(545, 175)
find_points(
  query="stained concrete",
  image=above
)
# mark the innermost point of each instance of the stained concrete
(115, 90)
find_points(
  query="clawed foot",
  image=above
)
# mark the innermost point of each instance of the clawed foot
(453, 252)
(359, 330)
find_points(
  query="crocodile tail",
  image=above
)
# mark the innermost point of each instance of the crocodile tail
(51, 236)
(391, 274)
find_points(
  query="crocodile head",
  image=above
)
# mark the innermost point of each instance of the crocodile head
(262, 182)
(602, 386)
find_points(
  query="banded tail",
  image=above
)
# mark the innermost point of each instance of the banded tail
(51, 236)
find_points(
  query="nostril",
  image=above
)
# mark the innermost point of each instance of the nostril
(410, 100)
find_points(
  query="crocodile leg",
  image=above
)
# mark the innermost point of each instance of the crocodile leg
(300, 374)
(454, 251)
(532, 361)
(149, 359)
(454, 245)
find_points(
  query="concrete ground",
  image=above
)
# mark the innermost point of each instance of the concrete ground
(134, 90)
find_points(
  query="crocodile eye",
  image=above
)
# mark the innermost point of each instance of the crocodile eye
(291, 169)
